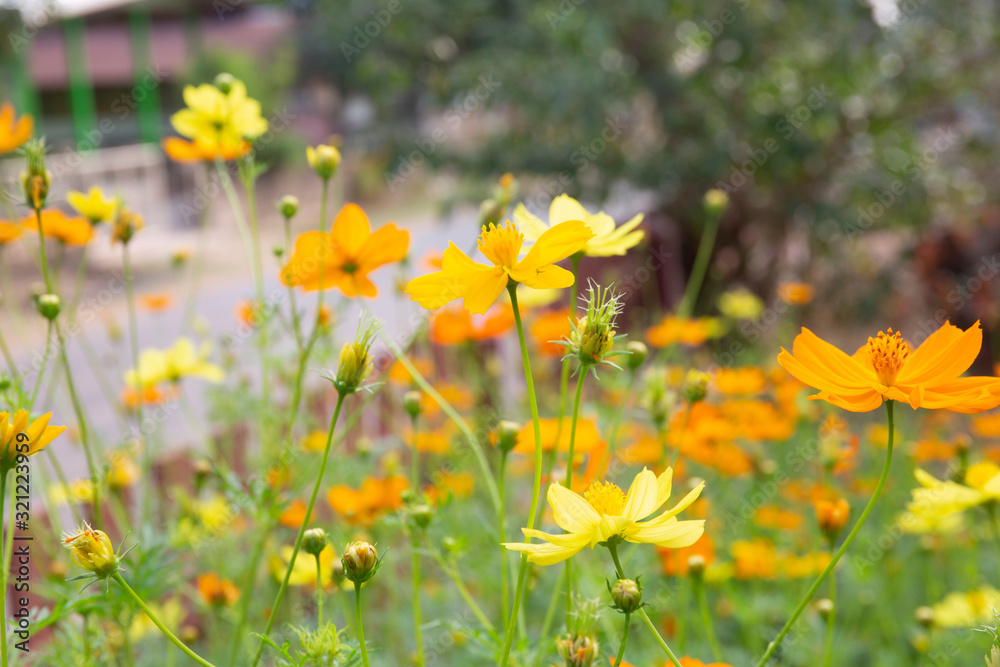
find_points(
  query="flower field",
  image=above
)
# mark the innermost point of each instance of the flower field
(525, 465)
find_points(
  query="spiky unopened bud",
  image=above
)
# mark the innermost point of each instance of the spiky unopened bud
(35, 179)
(355, 357)
(593, 336)
(578, 650)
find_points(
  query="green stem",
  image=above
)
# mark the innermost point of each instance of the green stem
(550, 614)
(82, 424)
(612, 545)
(700, 267)
(248, 586)
(706, 619)
(456, 578)
(773, 647)
(418, 632)
(302, 529)
(357, 618)
(680, 435)
(133, 334)
(621, 648)
(41, 250)
(995, 526)
(569, 485)
(41, 371)
(831, 619)
(536, 485)
(169, 635)
(502, 523)
(319, 594)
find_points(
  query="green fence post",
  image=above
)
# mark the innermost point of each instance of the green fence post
(147, 89)
(81, 90)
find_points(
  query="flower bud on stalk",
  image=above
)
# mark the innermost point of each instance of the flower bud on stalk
(35, 179)
(49, 306)
(314, 541)
(696, 385)
(411, 403)
(92, 550)
(832, 515)
(637, 353)
(355, 357)
(324, 160)
(288, 206)
(578, 650)
(361, 562)
(507, 435)
(124, 223)
(592, 338)
(626, 595)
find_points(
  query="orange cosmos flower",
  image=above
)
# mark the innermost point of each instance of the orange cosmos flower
(13, 131)
(552, 326)
(888, 369)
(216, 591)
(9, 232)
(363, 505)
(294, 514)
(55, 224)
(155, 303)
(346, 255)
(832, 515)
(587, 436)
(456, 325)
(740, 381)
(692, 662)
(179, 150)
(675, 561)
(684, 330)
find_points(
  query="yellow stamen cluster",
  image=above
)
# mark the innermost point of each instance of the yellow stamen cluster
(501, 245)
(888, 353)
(605, 498)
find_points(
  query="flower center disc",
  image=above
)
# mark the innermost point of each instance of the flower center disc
(888, 353)
(501, 245)
(605, 498)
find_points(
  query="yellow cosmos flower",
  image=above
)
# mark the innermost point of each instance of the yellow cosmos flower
(92, 550)
(888, 369)
(171, 365)
(38, 432)
(939, 498)
(13, 131)
(607, 240)
(94, 206)
(219, 118)
(9, 232)
(604, 511)
(480, 285)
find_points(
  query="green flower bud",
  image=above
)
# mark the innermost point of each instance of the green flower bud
(715, 201)
(626, 594)
(224, 82)
(49, 305)
(593, 335)
(637, 354)
(421, 514)
(696, 385)
(355, 358)
(507, 435)
(288, 206)
(696, 566)
(361, 562)
(314, 541)
(824, 607)
(924, 616)
(35, 179)
(324, 160)
(411, 403)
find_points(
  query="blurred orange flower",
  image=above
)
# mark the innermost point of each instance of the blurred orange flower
(179, 150)
(294, 514)
(675, 561)
(55, 224)
(398, 374)
(364, 505)
(456, 325)
(13, 131)
(155, 303)
(683, 330)
(587, 436)
(9, 232)
(216, 591)
(796, 294)
(551, 326)
(740, 381)
(345, 256)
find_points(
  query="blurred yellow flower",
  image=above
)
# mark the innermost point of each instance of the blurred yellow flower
(938, 498)
(304, 572)
(604, 511)
(607, 240)
(967, 610)
(171, 365)
(94, 206)
(741, 304)
(480, 285)
(39, 435)
(13, 131)
(217, 118)
(9, 232)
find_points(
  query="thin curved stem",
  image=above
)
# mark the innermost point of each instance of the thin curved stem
(156, 621)
(418, 632)
(569, 484)
(773, 647)
(536, 485)
(248, 586)
(700, 267)
(706, 619)
(302, 529)
(361, 628)
(319, 594)
(832, 618)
